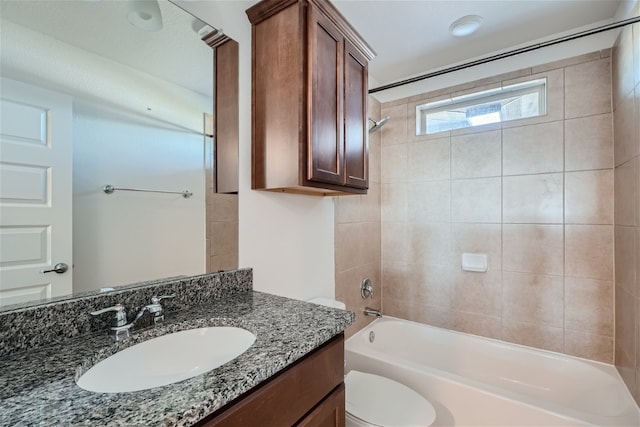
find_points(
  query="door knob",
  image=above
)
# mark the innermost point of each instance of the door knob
(59, 268)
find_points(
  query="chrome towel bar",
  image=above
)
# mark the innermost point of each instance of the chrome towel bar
(110, 189)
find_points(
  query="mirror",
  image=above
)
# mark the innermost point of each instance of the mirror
(98, 93)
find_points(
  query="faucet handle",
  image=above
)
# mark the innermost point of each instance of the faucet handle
(121, 314)
(156, 299)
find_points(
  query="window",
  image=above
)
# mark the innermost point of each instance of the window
(505, 103)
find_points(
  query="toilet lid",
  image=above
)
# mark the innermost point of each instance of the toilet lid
(383, 402)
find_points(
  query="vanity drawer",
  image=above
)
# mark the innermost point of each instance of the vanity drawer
(287, 397)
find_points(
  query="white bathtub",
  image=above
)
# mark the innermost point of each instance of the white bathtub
(475, 381)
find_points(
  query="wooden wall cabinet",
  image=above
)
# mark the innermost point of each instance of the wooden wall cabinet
(309, 93)
(309, 393)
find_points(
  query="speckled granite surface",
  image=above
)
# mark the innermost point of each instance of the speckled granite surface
(38, 385)
(31, 327)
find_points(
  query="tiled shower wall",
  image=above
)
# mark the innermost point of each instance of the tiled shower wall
(357, 238)
(535, 195)
(221, 222)
(626, 110)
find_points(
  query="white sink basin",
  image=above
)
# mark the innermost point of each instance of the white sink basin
(167, 359)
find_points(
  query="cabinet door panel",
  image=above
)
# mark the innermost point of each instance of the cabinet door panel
(355, 118)
(329, 413)
(325, 147)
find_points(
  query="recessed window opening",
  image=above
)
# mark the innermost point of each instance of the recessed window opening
(497, 105)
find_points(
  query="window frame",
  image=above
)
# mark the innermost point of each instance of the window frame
(481, 97)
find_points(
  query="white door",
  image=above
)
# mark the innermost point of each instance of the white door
(35, 192)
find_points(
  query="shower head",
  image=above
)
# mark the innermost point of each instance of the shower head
(377, 124)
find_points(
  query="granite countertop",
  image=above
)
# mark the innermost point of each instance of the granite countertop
(38, 386)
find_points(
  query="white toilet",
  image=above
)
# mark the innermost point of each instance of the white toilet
(376, 401)
(373, 400)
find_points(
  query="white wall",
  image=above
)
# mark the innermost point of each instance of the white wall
(126, 237)
(287, 239)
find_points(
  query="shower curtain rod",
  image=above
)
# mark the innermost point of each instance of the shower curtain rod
(508, 54)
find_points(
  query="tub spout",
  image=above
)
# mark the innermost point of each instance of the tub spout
(372, 312)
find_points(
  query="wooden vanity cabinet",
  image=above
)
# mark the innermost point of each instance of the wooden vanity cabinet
(309, 89)
(309, 393)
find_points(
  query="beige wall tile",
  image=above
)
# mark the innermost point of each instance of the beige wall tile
(531, 248)
(429, 201)
(347, 209)
(435, 94)
(370, 238)
(533, 149)
(475, 292)
(532, 199)
(432, 284)
(347, 246)
(625, 343)
(588, 142)
(479, 293)
(224, 207)
(533, 298)
(588, 88)
(588, 306)
(636, 47)
(626, 257)
(589, 251)
(371, 204)
(429, 160)
(394, 242)
(395, 130)
(524, 72)
(375, 149)
(636, 265)
(347, 291)
(566, 62)
(533, 335)
(434, 316)
(477, 324)
(589, 197)
(429, 243)
(223, 262)
(477, 238)
(393, 164)
(394, 202)
(224, 239)
(622, 64)
(636, 392)
(395, 292)
(476, 200)
(626, 194)
(444, 195)
(476, 155)
(625, 128)
(589, 346)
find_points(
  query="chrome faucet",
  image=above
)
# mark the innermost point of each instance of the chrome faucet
(120, 328)
(372, 312)
(156, 308)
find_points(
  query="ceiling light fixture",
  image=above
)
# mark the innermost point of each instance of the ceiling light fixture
(465, 26)
(145, 14)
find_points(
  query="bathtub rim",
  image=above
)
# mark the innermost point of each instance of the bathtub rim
(548, 406)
